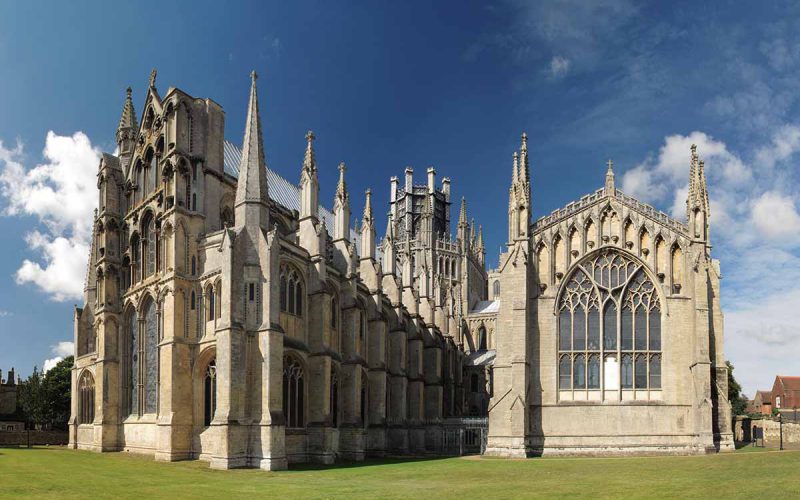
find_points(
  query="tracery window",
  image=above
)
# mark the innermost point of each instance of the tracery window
(210, 393)
(86, 398)
(293, 393)
(496, 290)
(609, 327)
(291, 291)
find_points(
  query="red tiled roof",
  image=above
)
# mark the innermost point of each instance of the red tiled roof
(790, 383)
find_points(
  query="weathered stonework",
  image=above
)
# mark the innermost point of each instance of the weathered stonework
(229, 317)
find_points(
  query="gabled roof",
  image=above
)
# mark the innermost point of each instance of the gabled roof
(789, 383)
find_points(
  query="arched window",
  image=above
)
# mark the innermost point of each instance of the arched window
(211, 303)
(210, 393)
(496, 290)
(86, 398)
(135, 259)
(609, 310)
(482, 342)
(149, 244)
(218, 304)
(291, 291)
(293, 393)
(334, 397)
(334, 312)
(194, 265)
(193, 301)
(150, 357)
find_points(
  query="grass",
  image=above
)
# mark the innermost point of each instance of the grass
(62, 473)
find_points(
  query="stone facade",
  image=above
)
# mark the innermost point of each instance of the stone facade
(10, 415)
(229, 317)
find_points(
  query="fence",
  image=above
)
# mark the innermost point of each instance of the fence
(465, 436)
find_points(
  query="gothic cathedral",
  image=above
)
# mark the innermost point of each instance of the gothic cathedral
(230, 317)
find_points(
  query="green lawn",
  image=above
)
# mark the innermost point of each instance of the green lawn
(62, 473)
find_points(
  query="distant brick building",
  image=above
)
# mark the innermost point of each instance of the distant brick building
(762, 403)
(786, 393)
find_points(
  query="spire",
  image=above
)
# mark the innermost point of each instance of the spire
(519, 195)
(341, 187)
(462, 214)
(610, 178)
(251, 191)
(515, 172)
(127, 130)
(479, 244)
(128, 118)
(152, 82)
(309, 184)
(341, 208)
(523, 159)
(472, 232)
(368, 229)
(367, 219)
(697, 205)
(310, 161)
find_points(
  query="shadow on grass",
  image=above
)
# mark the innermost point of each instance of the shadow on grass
(369, 462)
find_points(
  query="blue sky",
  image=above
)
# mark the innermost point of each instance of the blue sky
(448, 84)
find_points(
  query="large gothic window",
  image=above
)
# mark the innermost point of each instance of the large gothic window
(293, 393)
(609, 327)
(143, 360)
(150, 368)
(86, 399)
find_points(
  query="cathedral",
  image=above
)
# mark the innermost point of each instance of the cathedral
(230, 317)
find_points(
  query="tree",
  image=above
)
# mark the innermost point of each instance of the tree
(56, 388)
(737, 400)
(30, 398)
(45, 398)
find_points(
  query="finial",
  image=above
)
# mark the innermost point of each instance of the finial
(310, 136)
(128, 92)
(342, 167)
(153, 77)
(524, 140)
(253, 76)
(610, 164)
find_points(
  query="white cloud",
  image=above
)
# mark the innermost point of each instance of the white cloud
(785, 143)
(559, 66)
(50, 363)
(62, 194)
(61, 351)
(5, 314)
(775, 215)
